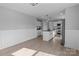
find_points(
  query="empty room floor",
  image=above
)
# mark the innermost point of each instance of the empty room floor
(38, 47)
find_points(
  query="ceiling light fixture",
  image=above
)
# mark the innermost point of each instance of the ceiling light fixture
(34, 4)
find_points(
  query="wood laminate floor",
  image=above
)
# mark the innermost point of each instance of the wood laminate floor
(38, 44)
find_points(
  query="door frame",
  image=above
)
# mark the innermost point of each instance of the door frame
(63, 29)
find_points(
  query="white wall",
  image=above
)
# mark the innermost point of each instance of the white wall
(72, 27)
(72, 39)
(15, 27)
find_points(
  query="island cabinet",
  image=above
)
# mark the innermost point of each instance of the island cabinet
(47, 35)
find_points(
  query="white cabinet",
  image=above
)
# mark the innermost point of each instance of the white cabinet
(39, 33)
(47, 35)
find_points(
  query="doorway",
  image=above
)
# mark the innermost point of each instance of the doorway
(58, 26)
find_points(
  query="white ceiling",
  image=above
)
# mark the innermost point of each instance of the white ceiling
(39, 10)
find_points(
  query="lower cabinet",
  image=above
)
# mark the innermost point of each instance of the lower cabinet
(47, 35)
